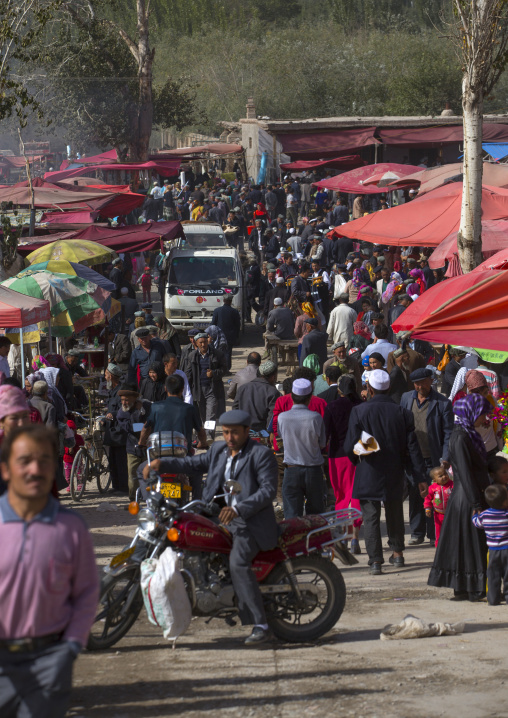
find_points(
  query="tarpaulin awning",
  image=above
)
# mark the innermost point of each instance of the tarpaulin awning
(318, 145)
(18, 310)
(494, 175)
(499, 260)
(131, 238)
(345, 163)
(102, 158)
(439, 135)
(498, 150)
(167, 168)
(425, 221)
(471, 310)
(69, 217)
(384, 177)
(352, 181)
(46, 197)
(18, 162)
(215, 148)
(494, 238)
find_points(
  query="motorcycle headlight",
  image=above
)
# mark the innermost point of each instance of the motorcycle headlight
(147, 520)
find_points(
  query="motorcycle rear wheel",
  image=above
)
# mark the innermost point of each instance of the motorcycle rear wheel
(322, 608)
(119, 606)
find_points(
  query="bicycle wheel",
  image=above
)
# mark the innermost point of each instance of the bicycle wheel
(80, 474)
(102, 471)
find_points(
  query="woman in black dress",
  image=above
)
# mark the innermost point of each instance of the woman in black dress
(461, 556)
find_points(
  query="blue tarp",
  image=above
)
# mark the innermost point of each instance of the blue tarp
(497, 150)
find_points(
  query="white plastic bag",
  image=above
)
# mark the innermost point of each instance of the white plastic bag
(413, 627)
(166, 601)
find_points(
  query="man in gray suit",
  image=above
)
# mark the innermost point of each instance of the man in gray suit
(249, 515)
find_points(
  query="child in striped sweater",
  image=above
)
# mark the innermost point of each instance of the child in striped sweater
(494, 521)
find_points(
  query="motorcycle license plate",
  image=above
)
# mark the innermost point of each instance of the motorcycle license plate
(121, 557)
(171, 491)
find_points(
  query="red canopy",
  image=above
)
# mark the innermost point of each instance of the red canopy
(442, 135)
(102, 158)
(47, 197)
(343, 163)
(495, 261)
(353, 181)
(18, 310)
(425, 221)
(494, 238)
(471, 310)
(167, 168)
(68, 217)
(494, 175)
(131, 238)
(316, 145)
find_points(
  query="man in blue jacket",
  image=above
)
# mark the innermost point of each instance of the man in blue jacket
(249, 515)
(433, 417)
(380, 475)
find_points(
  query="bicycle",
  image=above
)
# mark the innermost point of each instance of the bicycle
(91, 462)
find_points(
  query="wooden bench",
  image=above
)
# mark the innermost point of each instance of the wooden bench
(283, 352)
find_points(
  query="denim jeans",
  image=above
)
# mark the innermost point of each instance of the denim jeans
(303, 486)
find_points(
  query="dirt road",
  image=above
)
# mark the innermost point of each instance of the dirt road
(350, 672)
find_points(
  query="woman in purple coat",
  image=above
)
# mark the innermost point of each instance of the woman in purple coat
(342, 471)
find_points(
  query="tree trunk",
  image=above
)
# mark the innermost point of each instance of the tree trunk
(469, 239)
(142, 117)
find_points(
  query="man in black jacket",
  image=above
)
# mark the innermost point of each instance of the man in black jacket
(314, 342)
(258, 397)
(249, 515)
(205, 370)
(379, 475)
(228, 319)
(120, 349)
(340, 212)
(300, 287)
(451, 369)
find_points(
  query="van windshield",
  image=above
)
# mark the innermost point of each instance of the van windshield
(203, 271)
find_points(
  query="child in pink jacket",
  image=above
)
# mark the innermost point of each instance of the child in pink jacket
(437, 497)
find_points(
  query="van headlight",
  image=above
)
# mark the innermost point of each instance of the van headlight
(147, 520)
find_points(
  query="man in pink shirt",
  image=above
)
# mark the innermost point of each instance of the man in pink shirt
(48, 581)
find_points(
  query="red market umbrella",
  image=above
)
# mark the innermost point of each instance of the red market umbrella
(425, 221)
(494, 175)
(353, 181)
(494, 239)
(496, 261)
(470, 310)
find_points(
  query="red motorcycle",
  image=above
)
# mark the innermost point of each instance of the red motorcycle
(303, 589)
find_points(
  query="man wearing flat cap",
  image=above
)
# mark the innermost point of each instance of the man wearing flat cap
(249, 515)
(433, 417)
(314, 342)
(379, 477)
(258, 397)
(149, 350)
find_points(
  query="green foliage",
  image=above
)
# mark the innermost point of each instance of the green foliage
(11, 235)
(21, 24)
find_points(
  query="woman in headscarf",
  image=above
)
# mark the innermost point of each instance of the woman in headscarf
(476, 383)
(167, 333)
(153, 388)
(51, 376)
(390, 291)
(461, 555)
(301, 326)
(361, 337)
(419, 278)
(353, 286)
(342, 471)
(65, 385)
(39, 362)
(217, 338)
(312, 362)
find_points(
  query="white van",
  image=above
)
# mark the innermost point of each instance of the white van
(201, 235)
(197, 282)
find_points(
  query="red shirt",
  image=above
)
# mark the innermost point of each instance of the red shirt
(284, 403)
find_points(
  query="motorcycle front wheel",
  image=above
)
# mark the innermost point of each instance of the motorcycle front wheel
(323, 597)
(119, 606)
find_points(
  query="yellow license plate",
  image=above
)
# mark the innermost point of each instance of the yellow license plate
(171, 491)
(121, 557)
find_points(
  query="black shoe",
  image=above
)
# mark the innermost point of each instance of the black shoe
(459, 596)
(259, 635)
(375, 569)
(416, 540)
(397, 561)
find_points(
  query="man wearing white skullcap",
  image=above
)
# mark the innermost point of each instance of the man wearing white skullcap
(280, 320)
(380, 475)
(304, 437)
